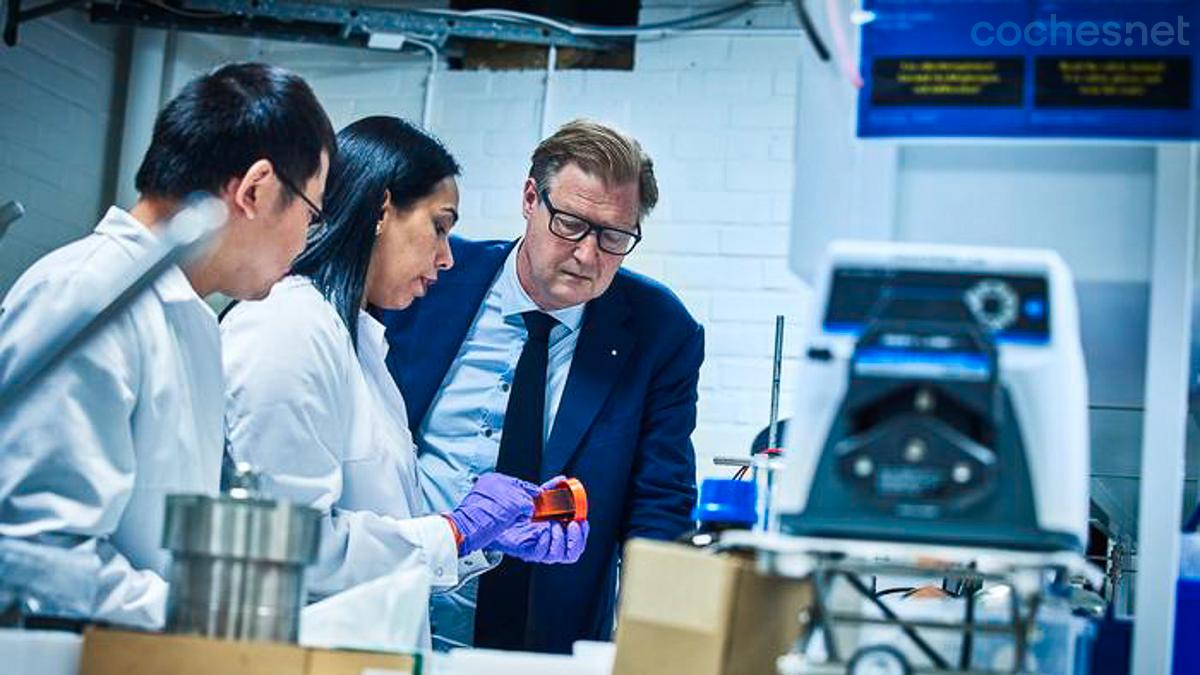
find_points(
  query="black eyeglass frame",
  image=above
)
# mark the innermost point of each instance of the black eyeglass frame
(318, 214)
(544, 194)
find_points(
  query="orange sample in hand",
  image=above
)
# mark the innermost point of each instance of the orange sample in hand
(566, 502)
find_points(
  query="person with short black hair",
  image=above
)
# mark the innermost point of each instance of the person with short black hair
(136, 413)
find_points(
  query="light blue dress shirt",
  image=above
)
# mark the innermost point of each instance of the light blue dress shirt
(459, 439)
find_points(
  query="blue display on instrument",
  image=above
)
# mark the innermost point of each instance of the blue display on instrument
(1012, 308)
(1031, 68)
(922, 364)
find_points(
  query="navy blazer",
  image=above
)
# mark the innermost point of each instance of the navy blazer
(623, 426)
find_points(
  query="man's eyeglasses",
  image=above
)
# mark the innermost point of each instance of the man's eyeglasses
(317, 219)
(571, 227)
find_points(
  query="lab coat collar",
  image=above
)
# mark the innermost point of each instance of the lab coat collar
(371, 335)
(514, 300)
(137, 239)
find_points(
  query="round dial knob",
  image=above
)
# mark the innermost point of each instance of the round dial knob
(993, 303)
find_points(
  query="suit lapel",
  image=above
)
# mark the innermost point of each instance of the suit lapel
(603, 347)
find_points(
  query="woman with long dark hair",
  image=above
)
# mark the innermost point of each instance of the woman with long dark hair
(310, 402)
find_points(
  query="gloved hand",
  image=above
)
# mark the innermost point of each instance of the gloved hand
(495, 503)
(546, 542)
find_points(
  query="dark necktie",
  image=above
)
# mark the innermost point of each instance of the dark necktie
(502, 607)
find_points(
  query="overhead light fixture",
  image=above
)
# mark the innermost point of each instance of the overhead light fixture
(389, 41)
(862, 17)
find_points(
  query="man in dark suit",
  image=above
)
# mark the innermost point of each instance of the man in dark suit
(543, 357)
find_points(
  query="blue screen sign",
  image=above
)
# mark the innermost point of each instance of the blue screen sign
(1016, 68)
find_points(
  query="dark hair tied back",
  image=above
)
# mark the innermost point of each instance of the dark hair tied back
(375, 156)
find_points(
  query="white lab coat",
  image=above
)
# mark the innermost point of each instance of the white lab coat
(88, 458)
(327, 427)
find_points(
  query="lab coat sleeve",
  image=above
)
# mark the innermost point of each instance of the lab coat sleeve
(473, 565)
(287, 383)
(67, 462)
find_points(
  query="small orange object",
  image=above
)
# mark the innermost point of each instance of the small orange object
(566, 502)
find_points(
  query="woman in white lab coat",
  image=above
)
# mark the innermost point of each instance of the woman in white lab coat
(311, 404)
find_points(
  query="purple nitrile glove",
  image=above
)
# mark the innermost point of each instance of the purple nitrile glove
(546, 542)
(495, 503)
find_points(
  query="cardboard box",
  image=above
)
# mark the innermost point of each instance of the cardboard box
(114, 652)
(694, 612)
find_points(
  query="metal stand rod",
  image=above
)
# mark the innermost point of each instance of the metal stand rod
(822, 619)
(912, 634)
(776, 367)
(1023, 624)
(925, 625)
(764, 468)
(969, 628)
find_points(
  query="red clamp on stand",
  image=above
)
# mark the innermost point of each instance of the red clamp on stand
(565, 502)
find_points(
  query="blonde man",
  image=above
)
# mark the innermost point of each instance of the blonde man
(542, 356)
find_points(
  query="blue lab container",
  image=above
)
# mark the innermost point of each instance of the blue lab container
(1187, 626)
(725, 502)
(1112, 647)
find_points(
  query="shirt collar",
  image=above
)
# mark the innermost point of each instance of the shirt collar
(137, 240)
(371, 334)
(514, 300)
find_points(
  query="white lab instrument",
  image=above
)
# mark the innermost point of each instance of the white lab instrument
(944, 401)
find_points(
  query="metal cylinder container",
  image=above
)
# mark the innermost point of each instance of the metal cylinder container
(237, 569)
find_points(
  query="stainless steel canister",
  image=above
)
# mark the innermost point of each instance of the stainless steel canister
(237, 568)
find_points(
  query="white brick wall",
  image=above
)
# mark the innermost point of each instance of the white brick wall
(715, 111)
(58, 128)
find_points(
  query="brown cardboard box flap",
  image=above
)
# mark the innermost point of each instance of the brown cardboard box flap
(118, 652)
(694, 587)
(693, 612)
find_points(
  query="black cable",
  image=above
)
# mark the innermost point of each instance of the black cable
(908, 630)
(893, 591)
(187, 13)
(597, 30)
(968, 643)
(821, 613)
(810, 30)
